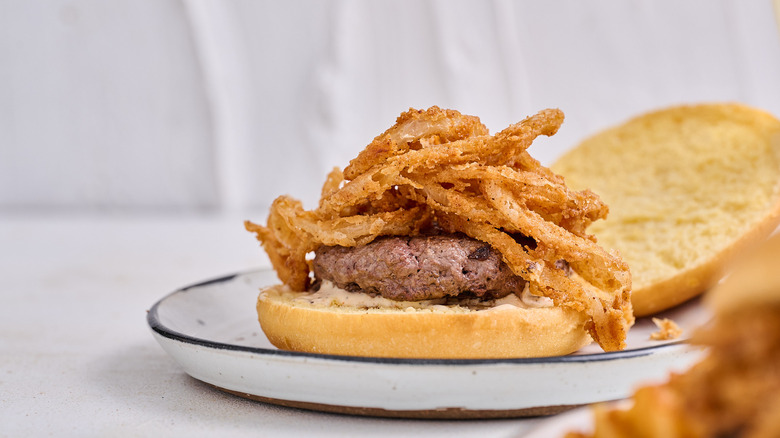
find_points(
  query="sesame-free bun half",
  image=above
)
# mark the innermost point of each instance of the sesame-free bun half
(293, 322)
(688, 189)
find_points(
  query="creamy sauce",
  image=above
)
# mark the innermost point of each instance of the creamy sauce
(536, 301)
(330, 295)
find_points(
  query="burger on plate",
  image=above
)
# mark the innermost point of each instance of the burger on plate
(440, 240)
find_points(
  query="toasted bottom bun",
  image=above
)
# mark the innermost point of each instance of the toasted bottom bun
(293, 321)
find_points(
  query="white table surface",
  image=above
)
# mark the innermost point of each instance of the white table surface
(78, 359)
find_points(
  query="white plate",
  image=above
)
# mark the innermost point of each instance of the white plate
(211, 330)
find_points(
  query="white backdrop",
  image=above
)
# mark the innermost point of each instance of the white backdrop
(198, 105)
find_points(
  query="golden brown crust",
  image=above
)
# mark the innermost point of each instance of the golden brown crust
(502, 332)
(412, 130)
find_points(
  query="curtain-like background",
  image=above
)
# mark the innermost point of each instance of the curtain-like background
(197, 105)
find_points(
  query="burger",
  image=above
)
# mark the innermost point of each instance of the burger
(440, 240)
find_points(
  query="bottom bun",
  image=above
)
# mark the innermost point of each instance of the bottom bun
(293, 321)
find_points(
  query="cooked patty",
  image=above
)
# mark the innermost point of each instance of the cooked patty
(418, 268)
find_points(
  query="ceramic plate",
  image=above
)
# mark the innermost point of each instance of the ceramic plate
(211, 330)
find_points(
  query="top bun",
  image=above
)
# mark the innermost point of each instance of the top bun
(688, 189)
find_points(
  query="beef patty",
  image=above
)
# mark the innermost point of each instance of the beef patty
(418, 268)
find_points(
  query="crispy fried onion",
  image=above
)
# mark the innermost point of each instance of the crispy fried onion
(439, 168)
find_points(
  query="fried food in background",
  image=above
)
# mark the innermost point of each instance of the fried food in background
(735, 390)
(687, 187)
(440, 171)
